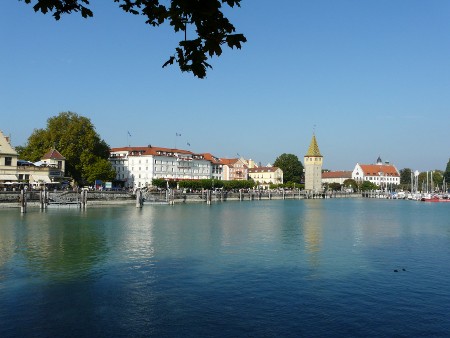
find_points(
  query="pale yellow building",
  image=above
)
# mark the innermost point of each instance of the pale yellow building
(265, 176)
(8, 160)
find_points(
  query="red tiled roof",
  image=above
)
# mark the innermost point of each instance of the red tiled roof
(212, 158)
(229, 161)
(160, 151)
(263, 170)
(376, 169)
(337, 174)
(53, 154)
(151, 150)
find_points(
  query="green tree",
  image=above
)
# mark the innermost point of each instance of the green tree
(424, 182)
(212, 28)
(334, 186)
(159, 183)
(351, 183)
(75, 138)
(447, 173)
(367, 185)
(99, 169)
(405, 176)
(291, 166)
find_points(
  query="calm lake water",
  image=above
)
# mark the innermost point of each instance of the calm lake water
(312, 268)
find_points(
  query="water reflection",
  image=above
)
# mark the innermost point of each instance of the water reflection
(312, 229)
(64, 248)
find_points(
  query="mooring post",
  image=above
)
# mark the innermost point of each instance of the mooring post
(139, 199)
(41, 199)
(208, 197)
(23, 200)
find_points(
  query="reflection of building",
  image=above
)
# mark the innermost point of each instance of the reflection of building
(264, 176)
(313, 167)
(381, 174)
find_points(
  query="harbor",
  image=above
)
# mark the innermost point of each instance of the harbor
(269, 268)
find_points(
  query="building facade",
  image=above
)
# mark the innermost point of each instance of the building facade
(136, 167)
(382, 174)
(8, 160)
(265, 176)
(313, 162)
(50, 169)
(336, 177)
(234, 169)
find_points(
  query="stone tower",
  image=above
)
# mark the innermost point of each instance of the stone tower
(313, 161)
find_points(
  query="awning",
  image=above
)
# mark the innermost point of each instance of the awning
(40, 178)
(6, 177)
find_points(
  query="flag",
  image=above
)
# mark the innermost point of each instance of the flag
(129, 134)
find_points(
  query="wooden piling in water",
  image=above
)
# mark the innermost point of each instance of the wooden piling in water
(23, 201)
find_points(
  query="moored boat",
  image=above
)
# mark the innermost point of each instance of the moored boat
(435, 198)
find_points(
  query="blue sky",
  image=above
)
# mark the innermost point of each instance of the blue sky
(372, 78)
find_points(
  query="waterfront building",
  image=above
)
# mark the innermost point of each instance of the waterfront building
(8, 160)
(50, 169)
(265, 176)
(216, 166)
(382, 174)
(313, 162)
(234, 169)
(335, 177)
(136, 167)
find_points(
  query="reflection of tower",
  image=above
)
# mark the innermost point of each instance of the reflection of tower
(312, 229)
(313, 167)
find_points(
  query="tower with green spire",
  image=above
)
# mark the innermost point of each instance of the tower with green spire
(313, 161)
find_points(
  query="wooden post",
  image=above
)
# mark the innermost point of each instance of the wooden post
(41, 199)
(23, 201)
(208, 197)
(139, 199)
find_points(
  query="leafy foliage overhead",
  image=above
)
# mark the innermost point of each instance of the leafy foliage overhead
(212, 28)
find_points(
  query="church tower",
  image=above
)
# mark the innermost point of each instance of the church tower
(313, 167)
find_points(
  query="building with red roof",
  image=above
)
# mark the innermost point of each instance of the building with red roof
(136, 167)
(381, 174)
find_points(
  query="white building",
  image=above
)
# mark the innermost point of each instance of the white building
(137, 166)
(382, 174)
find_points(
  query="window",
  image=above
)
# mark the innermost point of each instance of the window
(8, 161)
